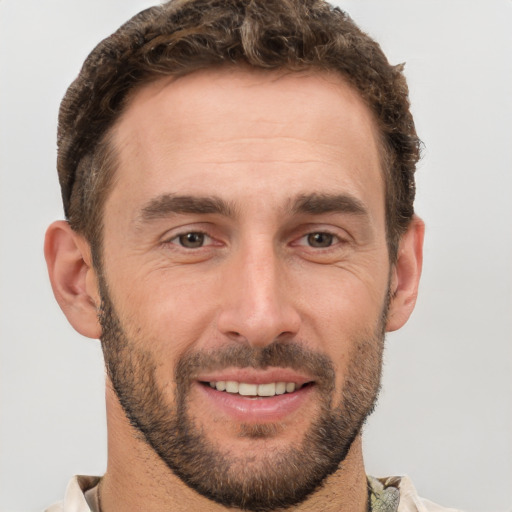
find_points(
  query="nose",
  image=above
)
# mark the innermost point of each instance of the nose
(257, 302)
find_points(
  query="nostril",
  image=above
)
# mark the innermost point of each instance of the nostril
(236, 336)
(258, 325)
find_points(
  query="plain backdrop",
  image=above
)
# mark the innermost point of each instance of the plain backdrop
(445, 413)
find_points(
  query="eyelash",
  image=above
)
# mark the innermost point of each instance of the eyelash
(304, 240)
(332, 238)
(176, 240)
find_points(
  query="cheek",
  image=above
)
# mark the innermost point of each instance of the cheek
(341, 314)
(343, 304)
(167, 311)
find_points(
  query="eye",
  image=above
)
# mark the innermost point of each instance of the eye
(328, 245)
(191, 240)
(320, 240)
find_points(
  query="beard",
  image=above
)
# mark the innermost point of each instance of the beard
(274, 479)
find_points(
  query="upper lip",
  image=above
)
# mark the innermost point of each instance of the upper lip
(255, 376)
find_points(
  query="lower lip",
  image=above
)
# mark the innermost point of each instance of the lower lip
(256, 410)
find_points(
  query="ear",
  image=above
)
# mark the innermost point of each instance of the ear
(405, 275)
(73, 279)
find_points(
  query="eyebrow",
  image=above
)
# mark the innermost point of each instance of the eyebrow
(169, 204)
(318, 204)
(312, 204)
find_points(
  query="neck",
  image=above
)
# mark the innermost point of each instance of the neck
(137, 479)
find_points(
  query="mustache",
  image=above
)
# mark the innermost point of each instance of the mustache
(277, 354)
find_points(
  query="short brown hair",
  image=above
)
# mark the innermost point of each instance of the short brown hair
(182, 36)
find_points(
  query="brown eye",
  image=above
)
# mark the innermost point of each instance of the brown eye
(320, 240)
(192, 240)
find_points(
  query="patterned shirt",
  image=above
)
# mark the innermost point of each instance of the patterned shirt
(383, 494)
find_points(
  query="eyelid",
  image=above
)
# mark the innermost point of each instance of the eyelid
(174, 238)
(302, 241)
(207, 239)
(187, 226)
(339, 235)
(170, 236)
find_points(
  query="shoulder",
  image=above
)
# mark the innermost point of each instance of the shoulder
(74, 499)
(411, 502)
(56, 507)
(397, 493)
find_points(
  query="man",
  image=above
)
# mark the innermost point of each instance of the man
(238, 181)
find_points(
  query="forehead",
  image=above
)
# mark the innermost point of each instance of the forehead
(219, 128)
(248, 98)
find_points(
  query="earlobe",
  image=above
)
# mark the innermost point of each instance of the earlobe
(73, 279)
(405, 275)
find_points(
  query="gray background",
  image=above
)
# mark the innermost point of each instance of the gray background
(445, 414)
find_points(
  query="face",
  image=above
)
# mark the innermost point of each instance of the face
(245, 278)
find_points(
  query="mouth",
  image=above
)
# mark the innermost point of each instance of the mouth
(251, 390)
(252, 396)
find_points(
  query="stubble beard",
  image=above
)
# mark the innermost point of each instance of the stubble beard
(271, 481)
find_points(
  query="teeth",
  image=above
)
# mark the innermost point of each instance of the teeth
(290, 387)
(267, 389)
(280, 388)
(246, 389)
(231, 386)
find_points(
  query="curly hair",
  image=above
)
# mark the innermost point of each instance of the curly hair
(182, 36)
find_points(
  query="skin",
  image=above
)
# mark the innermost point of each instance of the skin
(258, 141)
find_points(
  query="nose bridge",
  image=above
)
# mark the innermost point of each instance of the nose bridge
(257, 306)
(260, 269)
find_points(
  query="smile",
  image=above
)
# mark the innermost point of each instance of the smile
(255, 390)
(248, 402)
